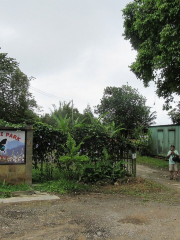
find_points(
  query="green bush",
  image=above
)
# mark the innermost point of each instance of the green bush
(80, 152)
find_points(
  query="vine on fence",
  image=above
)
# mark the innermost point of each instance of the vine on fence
(49, 146)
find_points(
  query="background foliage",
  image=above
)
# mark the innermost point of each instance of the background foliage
(125, 106)
(101, 152)
(152, 26)
(175, 114)
(65, 110)
(16, 102)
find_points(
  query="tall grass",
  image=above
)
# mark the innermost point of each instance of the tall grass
(6, 189)
(152, 162)
(58, 182)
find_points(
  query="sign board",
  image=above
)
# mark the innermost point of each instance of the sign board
(12, 147)
(133, 155)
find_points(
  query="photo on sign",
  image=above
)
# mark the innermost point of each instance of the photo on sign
(12, 147)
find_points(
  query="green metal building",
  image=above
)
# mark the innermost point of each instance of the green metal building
(163, 136)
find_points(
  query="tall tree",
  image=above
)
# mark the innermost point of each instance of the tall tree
(153, 28)
(16, 102)
(87, 115)
(7, 64)
(65, 110)
(174, 114)
(125, 106)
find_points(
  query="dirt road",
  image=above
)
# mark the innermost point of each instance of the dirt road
(158, 175)
(91, 216)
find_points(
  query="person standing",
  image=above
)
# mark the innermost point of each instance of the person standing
(173, 166)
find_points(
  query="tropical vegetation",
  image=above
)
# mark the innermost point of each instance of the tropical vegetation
(126, 107)
(152, 27)
(16, 102)
(82, 147)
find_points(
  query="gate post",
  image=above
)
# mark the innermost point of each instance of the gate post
(29, 154)
(134, 164)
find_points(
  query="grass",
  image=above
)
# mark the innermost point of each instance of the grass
(144, 189)
(63, 186)
(152, 162)
(58, 182)
(37, 177)
(137, 187)
(6, 189)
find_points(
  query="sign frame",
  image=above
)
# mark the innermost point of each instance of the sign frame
(15, 138)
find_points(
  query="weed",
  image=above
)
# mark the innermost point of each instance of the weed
(152, 162)
(6, 189)
(39, 176)
(5, 194)
(145, 189)
(63, 186)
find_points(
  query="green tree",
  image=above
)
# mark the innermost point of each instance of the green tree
(125, 106)
(64, 110)
(16, 102)
(174, 114)
(87, 115)
(153, 28)
(7, 65)
(62, 124)
(73, 161)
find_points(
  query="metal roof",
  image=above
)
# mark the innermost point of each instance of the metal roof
(168, 125)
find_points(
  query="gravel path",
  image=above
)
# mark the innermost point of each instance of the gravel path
(92, 216)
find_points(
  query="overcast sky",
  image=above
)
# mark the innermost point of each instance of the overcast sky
(73, 48)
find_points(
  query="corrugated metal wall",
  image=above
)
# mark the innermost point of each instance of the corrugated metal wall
(163, 137)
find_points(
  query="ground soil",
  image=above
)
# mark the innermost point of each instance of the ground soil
(160, 176)
(94, 216)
